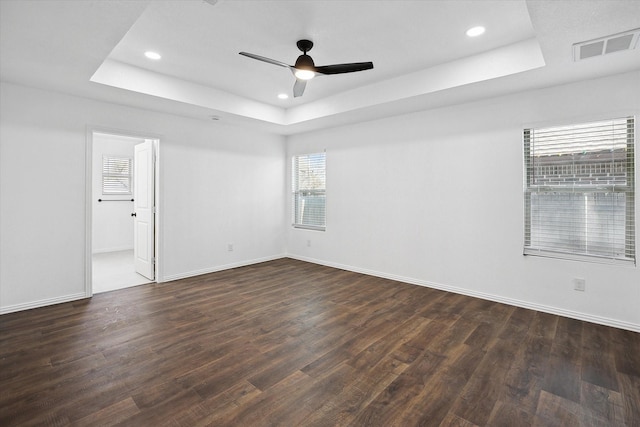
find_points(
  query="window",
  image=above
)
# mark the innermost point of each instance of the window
(579, 191)
(309, 184)
(116, 175)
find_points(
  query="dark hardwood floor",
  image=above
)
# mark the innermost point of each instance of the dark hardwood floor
(290, 343)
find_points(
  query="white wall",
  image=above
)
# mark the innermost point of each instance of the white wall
(436, 198)
(398, 206)
(112, 222)
(42, 208)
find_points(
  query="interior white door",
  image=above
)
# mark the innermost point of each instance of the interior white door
(143, 215)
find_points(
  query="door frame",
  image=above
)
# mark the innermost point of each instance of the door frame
(88, 269)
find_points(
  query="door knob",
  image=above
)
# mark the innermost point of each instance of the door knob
(133, 214)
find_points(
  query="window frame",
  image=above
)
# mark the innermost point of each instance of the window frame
(110, 174)
(296, 192)
(630, 235)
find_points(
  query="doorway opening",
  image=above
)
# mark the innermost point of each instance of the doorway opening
(122, 217)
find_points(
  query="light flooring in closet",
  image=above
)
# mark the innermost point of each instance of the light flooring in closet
(115, 270)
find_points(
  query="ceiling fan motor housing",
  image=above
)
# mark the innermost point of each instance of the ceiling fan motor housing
(304, 62)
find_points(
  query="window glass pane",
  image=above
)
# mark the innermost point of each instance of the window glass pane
(589, 223)
(116, 175)
(310, 209)
(579, 193)
(309, 182)
(115, 185)
(116, 166)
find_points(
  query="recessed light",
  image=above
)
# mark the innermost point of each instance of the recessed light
(283, 96)
(152, 55)
(475, 31)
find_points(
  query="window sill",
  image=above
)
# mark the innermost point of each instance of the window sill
(593, 259)
(308, 227)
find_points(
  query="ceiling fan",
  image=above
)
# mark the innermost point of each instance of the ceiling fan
(305, 69)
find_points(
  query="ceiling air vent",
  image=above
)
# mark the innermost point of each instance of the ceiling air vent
(605, 45)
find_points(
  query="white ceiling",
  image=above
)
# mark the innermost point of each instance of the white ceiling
(422, 57)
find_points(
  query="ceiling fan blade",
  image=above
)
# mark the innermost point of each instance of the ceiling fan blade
(298, 87)
(344, 68)
(263, 59)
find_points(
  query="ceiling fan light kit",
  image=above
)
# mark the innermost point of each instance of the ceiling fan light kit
(305, 69)
(304, 74)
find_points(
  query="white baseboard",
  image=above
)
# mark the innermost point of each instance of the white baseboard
(75, 297)
(491, 297)
(41, 303)
(115, 249)
(496, 298)
(172, 277)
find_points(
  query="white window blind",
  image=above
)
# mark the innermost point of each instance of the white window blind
(309, 185)
(580, 191)
(116, 175)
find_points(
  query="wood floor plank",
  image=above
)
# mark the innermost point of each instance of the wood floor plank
(298, 407)
(554, 410)
(396, 337)
(452, 420)
(483, 389)
(563, 375)
(506, 414)
(214, 407)
(626, 349)
(111, 415)
(342, 407)
(630, 390)
(291, 343)
(410, 350)
(390, 405)
(524, 379)
(257, 411)
(601, 403)
(598, 361)
(160, 413)
(434, 402)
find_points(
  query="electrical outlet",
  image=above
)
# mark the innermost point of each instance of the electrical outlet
(308, 243)
(579, 284)
(230, 247)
